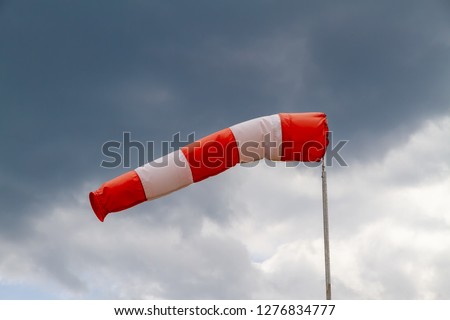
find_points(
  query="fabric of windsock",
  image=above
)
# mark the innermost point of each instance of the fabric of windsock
(280, 137)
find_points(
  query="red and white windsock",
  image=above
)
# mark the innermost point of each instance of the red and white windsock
(279, 137)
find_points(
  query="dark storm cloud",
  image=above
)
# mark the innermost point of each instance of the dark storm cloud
(74, 75)
(382, 69)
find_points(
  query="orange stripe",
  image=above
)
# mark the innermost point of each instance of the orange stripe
(212, 155)
(117, 194)
(305, 136)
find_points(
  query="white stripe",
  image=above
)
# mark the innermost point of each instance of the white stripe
(165, 175)
(259, 138)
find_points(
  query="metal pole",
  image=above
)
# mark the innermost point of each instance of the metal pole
(326, 238)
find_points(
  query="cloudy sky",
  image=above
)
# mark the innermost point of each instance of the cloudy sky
(74, 75)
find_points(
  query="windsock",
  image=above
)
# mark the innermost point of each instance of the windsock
(279, 137)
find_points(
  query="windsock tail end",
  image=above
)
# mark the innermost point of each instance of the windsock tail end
(99, 211)
(117, 194)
